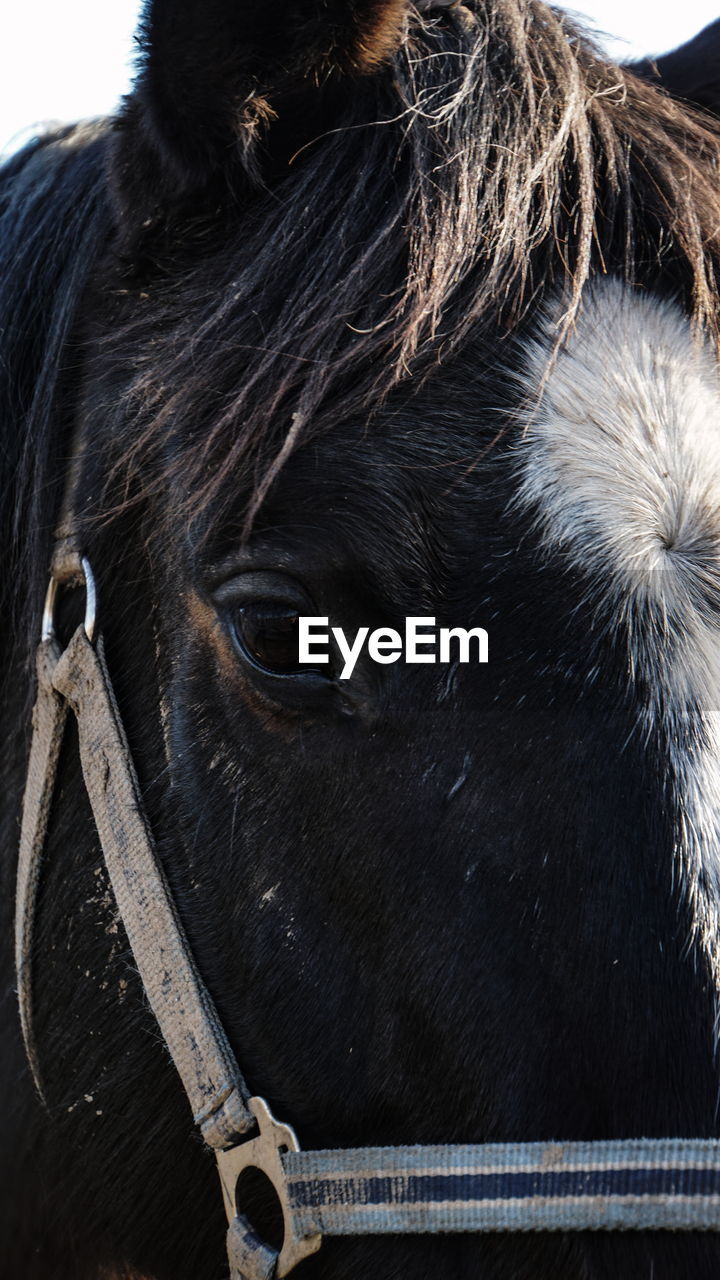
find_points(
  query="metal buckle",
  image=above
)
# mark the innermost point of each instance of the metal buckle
(78, 570)
(266, 1153)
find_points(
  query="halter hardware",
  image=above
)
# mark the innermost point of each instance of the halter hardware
(265, 1152)
(70, 570)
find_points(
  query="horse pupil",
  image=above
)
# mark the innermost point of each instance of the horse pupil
(269, 633)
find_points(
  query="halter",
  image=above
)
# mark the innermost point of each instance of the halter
(639, 1184)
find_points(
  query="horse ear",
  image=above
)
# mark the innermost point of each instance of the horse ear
(692, 72)
(215, 74)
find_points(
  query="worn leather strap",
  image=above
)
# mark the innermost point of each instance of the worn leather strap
(49, 716)
(182, 1005)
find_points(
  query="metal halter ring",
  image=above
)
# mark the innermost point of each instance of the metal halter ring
(81, 573)
(265, 1152)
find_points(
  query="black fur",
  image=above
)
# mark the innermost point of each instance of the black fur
(314, 378)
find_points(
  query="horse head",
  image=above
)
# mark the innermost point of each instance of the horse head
(368, 311)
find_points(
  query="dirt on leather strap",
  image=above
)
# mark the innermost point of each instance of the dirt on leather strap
(184, 1010)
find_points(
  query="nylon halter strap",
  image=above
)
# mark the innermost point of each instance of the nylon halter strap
(637, 1184)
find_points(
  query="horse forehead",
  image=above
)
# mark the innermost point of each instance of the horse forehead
(620, 459)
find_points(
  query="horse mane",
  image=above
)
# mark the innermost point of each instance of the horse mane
(495, 156)
(53, 219)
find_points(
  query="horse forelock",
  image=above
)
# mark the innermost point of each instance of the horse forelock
(507, 159)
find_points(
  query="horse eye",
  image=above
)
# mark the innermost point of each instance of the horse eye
(267, 633)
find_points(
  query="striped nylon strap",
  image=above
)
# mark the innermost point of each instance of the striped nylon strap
(633, 1185)
(572, 1186)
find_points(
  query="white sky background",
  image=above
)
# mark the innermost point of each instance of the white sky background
(69, 59)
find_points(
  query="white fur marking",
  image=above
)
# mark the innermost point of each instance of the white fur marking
(621, 463)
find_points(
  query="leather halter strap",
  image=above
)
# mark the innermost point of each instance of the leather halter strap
(634, 1185)
(188, 1020)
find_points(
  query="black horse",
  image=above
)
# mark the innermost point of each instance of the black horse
(368, 310)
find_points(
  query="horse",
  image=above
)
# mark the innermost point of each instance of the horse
(370, 310)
